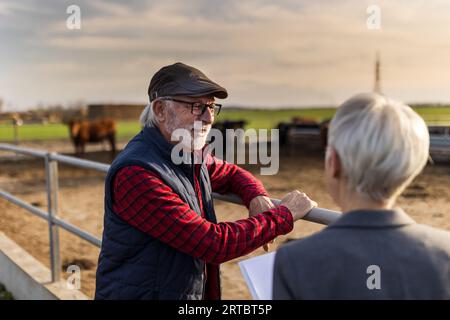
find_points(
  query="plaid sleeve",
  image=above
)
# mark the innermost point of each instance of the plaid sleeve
(229, 178)
(143, 200)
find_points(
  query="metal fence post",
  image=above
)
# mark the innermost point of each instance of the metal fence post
(16, 133)
(51, 171)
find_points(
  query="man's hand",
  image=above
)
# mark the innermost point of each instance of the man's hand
(260, 204)
(298, 203)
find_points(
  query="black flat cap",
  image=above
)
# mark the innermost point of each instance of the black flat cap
(179, 79)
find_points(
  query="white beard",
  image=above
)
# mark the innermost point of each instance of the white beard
(192, 137)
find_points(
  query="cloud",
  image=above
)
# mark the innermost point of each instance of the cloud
(286, 52)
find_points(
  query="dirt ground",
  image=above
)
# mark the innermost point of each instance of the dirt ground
(81, 203)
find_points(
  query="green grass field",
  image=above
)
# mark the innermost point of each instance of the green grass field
(260, 119)
(33, 132)
(266, 119)
(257, 118)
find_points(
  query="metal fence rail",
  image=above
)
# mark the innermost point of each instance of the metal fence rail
(318, 215)
(440, 144)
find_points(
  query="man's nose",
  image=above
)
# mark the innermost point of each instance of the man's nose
(207, 117)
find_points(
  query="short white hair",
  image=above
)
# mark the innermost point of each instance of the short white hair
(147, 118)
(382, 144)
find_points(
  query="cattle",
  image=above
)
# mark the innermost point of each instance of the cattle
(304, 130)
(85, 131)
(228, 124)
(283, 131)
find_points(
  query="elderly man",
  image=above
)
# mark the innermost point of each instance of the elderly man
(161, 239)
(375, 250)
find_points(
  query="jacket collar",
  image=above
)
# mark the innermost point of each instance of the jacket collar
(153, 135)
(373, 219)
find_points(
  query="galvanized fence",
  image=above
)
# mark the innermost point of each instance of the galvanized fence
(318, 215)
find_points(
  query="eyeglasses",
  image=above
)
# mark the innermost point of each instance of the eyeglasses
(198, 108)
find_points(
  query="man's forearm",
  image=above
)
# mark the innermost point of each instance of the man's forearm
(229, 178)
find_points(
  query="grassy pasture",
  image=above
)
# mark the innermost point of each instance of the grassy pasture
(257, 118)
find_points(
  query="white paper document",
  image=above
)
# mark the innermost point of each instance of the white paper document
(258, 274)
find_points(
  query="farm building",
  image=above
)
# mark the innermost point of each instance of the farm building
(116, 111)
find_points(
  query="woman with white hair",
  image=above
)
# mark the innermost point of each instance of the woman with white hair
(377, 146)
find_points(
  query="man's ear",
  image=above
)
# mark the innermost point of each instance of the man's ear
(335, 163)
(158, 111)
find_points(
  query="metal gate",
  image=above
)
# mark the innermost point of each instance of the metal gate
(318, 215)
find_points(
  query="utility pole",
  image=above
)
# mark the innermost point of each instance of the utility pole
(377, 85)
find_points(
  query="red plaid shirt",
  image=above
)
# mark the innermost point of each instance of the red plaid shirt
(143, 200)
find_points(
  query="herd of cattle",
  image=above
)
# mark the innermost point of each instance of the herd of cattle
(304, 130)
(299, 131)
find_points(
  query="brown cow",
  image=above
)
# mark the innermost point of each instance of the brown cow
(84, 131)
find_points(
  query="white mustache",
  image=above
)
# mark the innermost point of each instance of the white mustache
(200, 131)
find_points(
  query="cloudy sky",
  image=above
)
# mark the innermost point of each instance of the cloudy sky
(266, 53)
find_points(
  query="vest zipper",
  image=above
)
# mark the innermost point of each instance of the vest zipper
(194, 180)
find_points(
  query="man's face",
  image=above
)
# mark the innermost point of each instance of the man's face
(178, 115)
